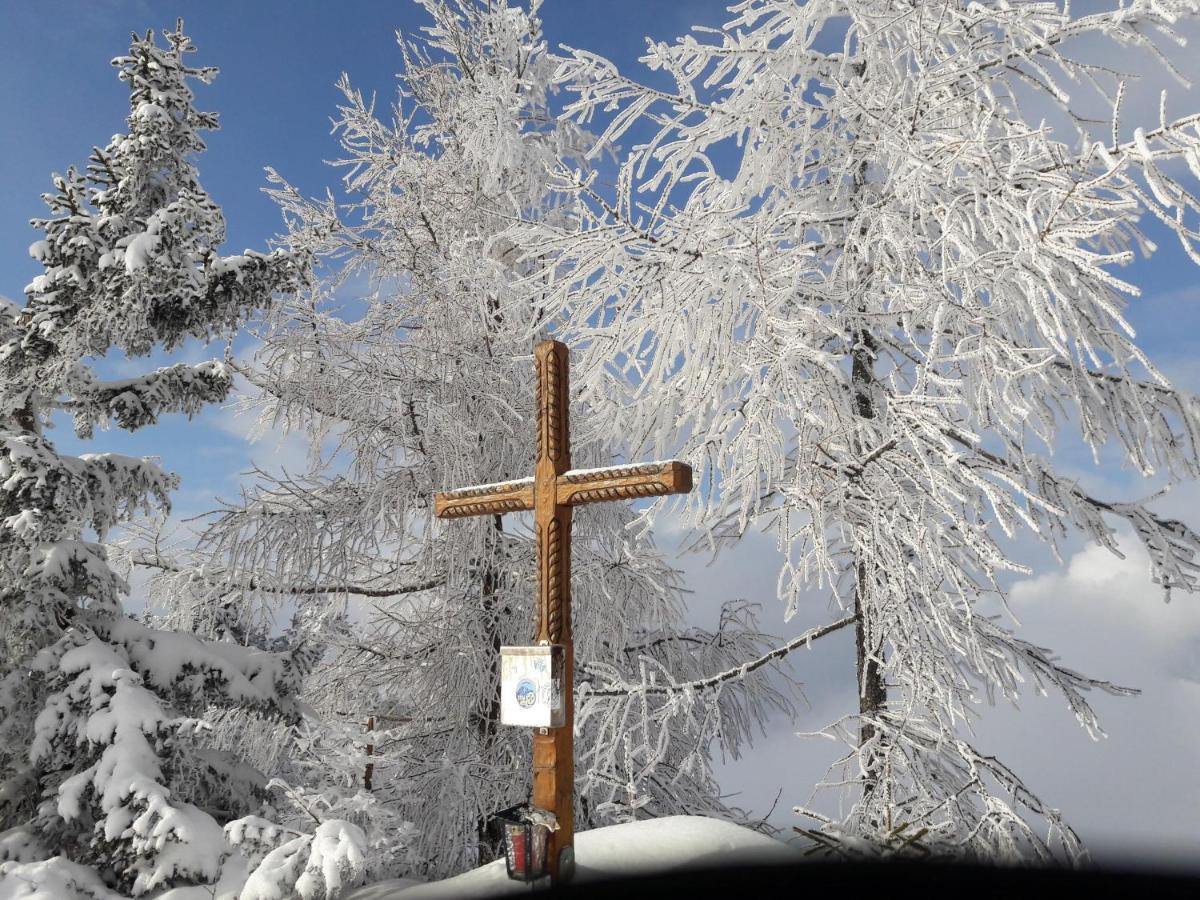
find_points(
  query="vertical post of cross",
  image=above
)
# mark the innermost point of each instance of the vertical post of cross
(551, 493)
(554, 748)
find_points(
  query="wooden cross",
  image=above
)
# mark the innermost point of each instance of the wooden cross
(551, 493)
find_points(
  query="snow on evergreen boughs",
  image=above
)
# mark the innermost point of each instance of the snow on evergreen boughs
(56, 878)
(135, 402)
(105, 754)
(115, 802)
(131, 257)
(130, 262)
(48, 566)
(313, 866)
(322, 766)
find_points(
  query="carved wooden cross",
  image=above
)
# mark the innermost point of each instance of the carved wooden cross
(551, 493)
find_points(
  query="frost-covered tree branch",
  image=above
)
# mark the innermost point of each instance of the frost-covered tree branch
(861, 267)
(143, 559)
(407, 363)
(626, 689)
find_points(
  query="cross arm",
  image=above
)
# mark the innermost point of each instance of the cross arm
(484, 499)
(654, 479)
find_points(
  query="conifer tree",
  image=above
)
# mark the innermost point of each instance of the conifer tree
(106, 781)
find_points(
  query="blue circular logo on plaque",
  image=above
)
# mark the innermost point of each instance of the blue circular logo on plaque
(526, 693)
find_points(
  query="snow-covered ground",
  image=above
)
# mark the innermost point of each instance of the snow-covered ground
(637, 848)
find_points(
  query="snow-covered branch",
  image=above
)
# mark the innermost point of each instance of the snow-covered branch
(151, 560)
(136, 402)
(712, 681)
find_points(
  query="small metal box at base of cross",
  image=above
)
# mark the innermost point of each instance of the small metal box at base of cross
(531, 686)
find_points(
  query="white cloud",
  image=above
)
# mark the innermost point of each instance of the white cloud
(1114, 596)
(1132, 796)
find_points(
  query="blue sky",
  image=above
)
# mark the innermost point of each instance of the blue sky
(275, 94)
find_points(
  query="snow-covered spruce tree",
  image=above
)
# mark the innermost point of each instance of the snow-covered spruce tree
(422, 383)
(104, 785)
(861, 270)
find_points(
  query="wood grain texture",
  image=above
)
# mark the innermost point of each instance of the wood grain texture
(539, 402)
(654, 468)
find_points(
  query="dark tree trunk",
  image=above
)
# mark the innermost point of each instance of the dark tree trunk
(872, 694)
(488, 720)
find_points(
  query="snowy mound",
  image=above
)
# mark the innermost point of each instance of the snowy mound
(638, 848)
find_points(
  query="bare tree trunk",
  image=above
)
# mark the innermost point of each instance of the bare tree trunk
(369, 771)
(25, 420)
(872, 694)
(489, 720)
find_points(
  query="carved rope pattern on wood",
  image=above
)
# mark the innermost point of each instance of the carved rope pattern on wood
(619, 472)
(540, 400)
(540, 610)
(482, 508)
(554, 400)
(616, 492)
(554, 580)
(487, 490)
